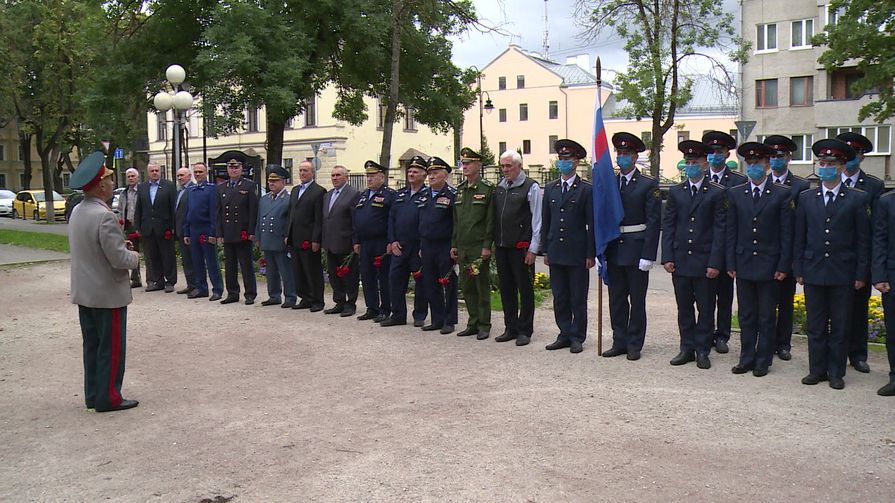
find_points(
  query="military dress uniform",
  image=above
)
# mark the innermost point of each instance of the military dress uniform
(831, 252)
(856, 338)
(639, 240)
(693, 240)
(371, 233)
(404, 228)
(758, 245)
(781, 145)
(199, 225)
(724, 292)
(567, 239)
(436, 226)
(273, 228)
(473, 231)
(236, 220)
(883, 271)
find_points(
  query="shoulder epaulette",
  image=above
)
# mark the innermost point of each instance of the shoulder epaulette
(717, 185)
(452, 189)
(582, 180)
(487, 183)
(647, 175)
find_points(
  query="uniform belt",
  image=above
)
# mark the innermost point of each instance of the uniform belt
(626, 229)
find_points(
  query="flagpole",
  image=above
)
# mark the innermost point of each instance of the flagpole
(599, 279)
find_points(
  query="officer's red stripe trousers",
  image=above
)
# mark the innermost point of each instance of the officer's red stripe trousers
(115, 337)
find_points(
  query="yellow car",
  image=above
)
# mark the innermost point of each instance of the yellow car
(32, 204)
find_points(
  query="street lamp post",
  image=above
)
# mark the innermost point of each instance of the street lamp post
(180, 100)
(486, 107)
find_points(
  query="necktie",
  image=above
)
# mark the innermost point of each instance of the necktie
(848, 182)
(694, 190)
(715, 178)
(830, 196)
(756, 193)
(624, 183)
(565, 188)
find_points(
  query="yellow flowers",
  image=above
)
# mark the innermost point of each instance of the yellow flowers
(542, 281)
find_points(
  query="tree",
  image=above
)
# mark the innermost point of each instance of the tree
(660, 37)
(863, 33)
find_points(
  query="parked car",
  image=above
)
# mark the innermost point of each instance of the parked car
(115, 196)
(6, 199)
(31, 203)
(73, 199)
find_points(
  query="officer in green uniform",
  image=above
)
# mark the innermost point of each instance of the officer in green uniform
(472, 241)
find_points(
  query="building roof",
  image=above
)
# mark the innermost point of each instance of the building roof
(571, 74)
(707, 100)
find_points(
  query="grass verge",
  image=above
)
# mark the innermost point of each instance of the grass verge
(37, 240)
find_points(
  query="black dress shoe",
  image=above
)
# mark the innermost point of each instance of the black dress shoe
(124, 405)
(482, 335)
(317, 308)
(612, 352)
(523, 340)
(760, 372)
(154, 288)
(837, 383)
(468, 331)
(683, 357)
(575, 347)
(504, 337)
(633, 355)
(184, 291)
(431, 328)
(721, 346)
(369, 315)
(392, 322)
(169, 288)
(784, 355)
(215, 296)
(446, 329)
(740, 369)
(270, 302)
(195, 294)
(812, 379)
(419, 323)
(303, 305)
(288, 305)
(230, 300)
(348, 311)
(136, 284)
(887, 390)
(334, 310)
(703, 362)
(559, 343)
(249, 302)
(861, 366)
(380, 318)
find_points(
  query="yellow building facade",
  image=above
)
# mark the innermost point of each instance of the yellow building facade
(12, 165)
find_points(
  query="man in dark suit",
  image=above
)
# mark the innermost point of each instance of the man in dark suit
(273, 229)
(236, 219)
(630, 257)
(305, 235)
(854, 176)
(567, 240)
(781, 154)
(883, 275)
(199, 231)
(693, 252)
(759, 255)
(404, 244)
(831, 259)
(720, 144)
(154, 218)
(436, 229)
(371, 242)
(341, 261)
(127, 206)
(185, 180)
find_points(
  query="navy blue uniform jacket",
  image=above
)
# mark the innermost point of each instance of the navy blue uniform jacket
(693, 229)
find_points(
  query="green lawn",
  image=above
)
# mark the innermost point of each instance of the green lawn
(497, 305)
(39, 240)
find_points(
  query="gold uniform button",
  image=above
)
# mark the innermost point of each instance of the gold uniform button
(689, 252)
(827, 231)
(621, 241)
(691, 231)
(692, 219)
(562, 210)
(754, 230)
(826, 254)
(561, 220)
(754, 253)
(560, 240)
(755, 241)
(827, 243)
(689, 241)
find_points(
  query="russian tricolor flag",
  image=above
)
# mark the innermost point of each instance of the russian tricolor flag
(608, 209)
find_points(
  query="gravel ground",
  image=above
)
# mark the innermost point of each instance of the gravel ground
(250, 403)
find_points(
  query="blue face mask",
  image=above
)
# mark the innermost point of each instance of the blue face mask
(827, 173)
(624, 161)
(716, 159)
(778, 163)
(692, 170)
(755, 172)
(852, 165)
(565, 166)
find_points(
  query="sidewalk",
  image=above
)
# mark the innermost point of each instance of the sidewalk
(11, 255)
(32, 226)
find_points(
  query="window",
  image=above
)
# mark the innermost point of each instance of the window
(2, 152)
(646, 137)
(501, 83)
(683, 136)
(66, 179)
(526, 146)
(801, 91)
(252, 120)
(766, 37)
(380, 114)
(554, 110)
(21, 152)
(766, 93)
(552, 143)
(523, 111)
(878, 135)
(502, 146)
(409, 120)
(311, 112)
(733, 133)
(502, 114)
(832, 15)
(161, 127)
(802, 31)
(842, 84)
(2, 180)
(520, 81)
(803, 147)
(287, 165)
(22, 184)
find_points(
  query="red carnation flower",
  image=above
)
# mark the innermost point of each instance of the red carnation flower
(417, 274)
(244, 235)
(444, 281)
(202, 239)
(342, 271)
(167, 234)
(120, 221)
(377, 262)
(133, 235)
(305, 245)
(522, 245)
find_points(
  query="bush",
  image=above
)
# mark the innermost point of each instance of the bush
(876, 327)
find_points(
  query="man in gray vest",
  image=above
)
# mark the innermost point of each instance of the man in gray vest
(517, 234)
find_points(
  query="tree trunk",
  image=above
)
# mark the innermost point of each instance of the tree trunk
(655, 148)
(56, 155)
(394, 81)
(47, 172)
(25, 142)
(275, 131)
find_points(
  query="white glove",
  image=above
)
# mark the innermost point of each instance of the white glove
(645, 265)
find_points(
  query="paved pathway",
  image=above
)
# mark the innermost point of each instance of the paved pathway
(10, 255)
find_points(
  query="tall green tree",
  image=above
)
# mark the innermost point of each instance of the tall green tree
(863, 34)
(661, 36)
